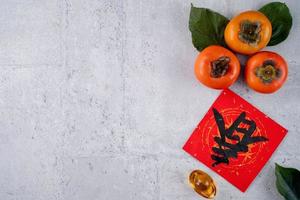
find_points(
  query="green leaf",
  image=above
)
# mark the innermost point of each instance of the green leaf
(280, 17)
(207, 27)
(288, 182)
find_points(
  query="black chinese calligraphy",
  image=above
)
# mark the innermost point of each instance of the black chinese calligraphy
(239, 142)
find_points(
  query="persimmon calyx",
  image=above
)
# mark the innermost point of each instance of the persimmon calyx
(250, 32)
(219, 67)
(268, 72)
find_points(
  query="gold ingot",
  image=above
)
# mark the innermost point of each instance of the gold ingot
(203, 184)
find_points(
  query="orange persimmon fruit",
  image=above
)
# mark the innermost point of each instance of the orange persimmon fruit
(248, 32)
(266, 72)
(217, 67)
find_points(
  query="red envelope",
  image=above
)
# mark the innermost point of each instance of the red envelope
(235, 139)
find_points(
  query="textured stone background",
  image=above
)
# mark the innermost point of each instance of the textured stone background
(98, 97)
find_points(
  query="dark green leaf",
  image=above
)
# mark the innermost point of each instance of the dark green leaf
(288, 182)
(280, 17)
(207, 27)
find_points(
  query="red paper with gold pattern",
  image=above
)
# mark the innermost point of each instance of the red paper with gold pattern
(242, 170)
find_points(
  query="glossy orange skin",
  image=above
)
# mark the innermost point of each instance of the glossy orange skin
(257, 60)
(233, 28)
(203, 67)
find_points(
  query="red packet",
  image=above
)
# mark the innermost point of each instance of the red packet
(235, 139)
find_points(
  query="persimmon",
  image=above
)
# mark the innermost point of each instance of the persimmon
(248, 32)
(217, 67)
(266, 72)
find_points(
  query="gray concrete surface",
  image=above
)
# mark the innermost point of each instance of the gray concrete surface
(98, 97)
